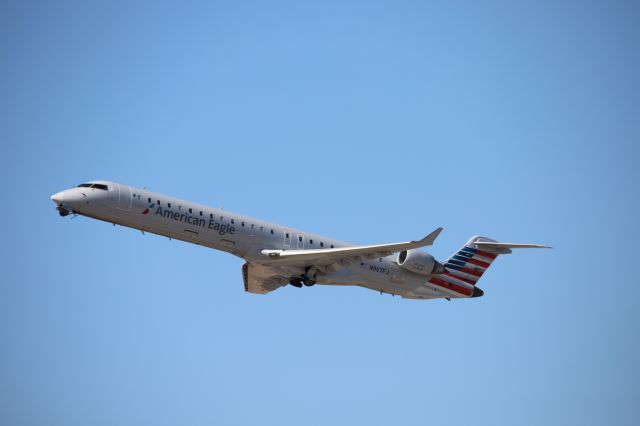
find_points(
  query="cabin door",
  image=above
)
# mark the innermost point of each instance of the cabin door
(124, 198)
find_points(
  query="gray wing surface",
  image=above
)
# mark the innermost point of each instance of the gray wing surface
(324, 257)
(278, 266)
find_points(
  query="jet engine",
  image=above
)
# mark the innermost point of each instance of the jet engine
(419, 262)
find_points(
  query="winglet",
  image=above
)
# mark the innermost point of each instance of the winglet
(429, 239)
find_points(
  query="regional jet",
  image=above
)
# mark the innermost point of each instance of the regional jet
(276, 256)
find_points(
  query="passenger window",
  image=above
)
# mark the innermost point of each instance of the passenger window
(242, 224)
(272, 232)
(310, 241)
(321, 244)
(252, 226)
(200, 212)
(232, 221)
(158, 202)
(300, 238)
(287, 235)
(169, 205)
(149, 199)
(331, 245)
(190, 211)
(210, 215)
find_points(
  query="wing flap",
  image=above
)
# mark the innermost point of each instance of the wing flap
(259, 279)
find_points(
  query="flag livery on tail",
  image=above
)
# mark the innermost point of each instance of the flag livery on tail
(466, 266)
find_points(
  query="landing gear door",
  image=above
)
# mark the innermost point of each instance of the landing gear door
(124, 198)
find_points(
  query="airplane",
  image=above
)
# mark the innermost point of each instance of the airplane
(276, 256)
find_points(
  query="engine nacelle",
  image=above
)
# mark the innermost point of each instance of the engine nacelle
(419, 262)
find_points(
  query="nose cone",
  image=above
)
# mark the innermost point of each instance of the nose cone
(58, 198)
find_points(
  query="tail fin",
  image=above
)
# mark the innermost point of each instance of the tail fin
(470, 262)
(466, 266)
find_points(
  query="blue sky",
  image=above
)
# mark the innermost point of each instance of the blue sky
(365, 121)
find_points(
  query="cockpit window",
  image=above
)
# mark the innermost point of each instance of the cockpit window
(94, 185)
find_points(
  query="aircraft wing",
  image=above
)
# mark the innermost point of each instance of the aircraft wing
(260, 279)
(343, 255)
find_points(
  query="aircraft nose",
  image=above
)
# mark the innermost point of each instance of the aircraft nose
(58, 197)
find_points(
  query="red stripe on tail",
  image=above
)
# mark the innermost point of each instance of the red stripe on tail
(466, 280)
(471, 272)
(450, 286)
(486, 254)
(479, 263)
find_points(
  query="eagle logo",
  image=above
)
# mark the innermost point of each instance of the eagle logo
(148, 209)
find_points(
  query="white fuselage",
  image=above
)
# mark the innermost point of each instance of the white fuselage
(239, 235)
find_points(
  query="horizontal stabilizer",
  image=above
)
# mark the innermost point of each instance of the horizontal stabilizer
(491, 244)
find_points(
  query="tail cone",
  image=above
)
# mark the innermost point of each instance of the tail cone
(477, 292)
